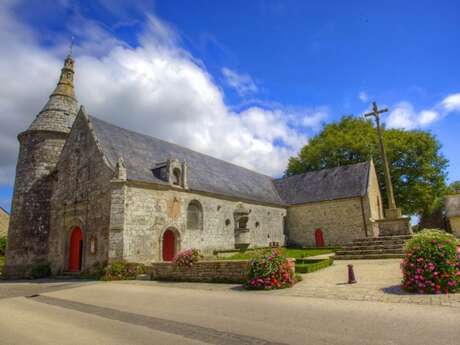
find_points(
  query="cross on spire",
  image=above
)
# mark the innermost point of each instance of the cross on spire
(72, 40)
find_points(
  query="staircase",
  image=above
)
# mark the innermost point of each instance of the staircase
(386, 247)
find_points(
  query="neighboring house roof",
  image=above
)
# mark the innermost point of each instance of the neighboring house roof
(328, 184)
(453, 205)
(4, 221)
(206, 174)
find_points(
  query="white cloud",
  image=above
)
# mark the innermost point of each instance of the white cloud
(363, 96)
(241, 82)
(157, 88)
(403, 115)
(451, 102)
(315, 118)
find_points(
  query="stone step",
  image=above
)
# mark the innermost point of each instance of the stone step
(368, 256)
(369, 251)
(374, 246)
(383, 238)
(375, 243)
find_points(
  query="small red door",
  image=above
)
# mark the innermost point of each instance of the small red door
(319, 239)
(76, 250)
(169, 245)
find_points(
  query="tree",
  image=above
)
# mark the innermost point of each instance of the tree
(417, 166)
(434, 216)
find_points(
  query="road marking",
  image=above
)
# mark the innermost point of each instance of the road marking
(204, 334)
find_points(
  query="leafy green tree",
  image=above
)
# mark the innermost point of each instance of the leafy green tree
(434, 216)
(454, 188)
(417, 166)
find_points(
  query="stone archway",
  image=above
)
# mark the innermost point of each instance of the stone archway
(76, 250)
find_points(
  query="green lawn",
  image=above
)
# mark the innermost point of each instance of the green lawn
(289, 252)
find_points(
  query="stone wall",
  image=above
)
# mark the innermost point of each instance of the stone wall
(373, 204)
(81, 198)
(29, 223)
(150, 210)
(203, 271)
(340, 221)
(454, 223)
(4, 222)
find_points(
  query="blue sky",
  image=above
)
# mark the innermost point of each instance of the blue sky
(259, 76)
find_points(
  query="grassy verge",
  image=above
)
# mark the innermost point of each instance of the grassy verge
(308, 266)
(289, 252)
(2, 263)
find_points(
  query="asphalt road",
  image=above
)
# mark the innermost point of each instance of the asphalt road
(149, 313)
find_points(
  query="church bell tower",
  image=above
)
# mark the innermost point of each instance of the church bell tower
(40, 147)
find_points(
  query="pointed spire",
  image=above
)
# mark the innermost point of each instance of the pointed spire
(65, 84)
(60, 111)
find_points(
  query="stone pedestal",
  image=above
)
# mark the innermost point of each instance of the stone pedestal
(394, 224)
(242, 239)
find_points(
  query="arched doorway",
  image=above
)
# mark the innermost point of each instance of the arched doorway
(319, 238)
(76, 250)
(169, 245)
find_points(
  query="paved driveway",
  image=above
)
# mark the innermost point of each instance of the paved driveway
(378, 280)
(161, 313)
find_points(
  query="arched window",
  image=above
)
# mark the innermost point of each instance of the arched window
(194, 215)
(176, 177)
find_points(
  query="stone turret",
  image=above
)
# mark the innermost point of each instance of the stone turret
(40, 147)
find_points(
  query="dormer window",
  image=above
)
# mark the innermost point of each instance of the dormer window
(171, 171)
(176, 177)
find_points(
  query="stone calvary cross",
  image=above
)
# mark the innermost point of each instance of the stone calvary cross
(386, 168)
(394, 224)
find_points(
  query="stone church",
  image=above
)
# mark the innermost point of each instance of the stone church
(88, 192)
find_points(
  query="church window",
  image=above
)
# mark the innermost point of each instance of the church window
(257, 224)
(228, 222)
(176, 177)
(93, 245)
(194, 215)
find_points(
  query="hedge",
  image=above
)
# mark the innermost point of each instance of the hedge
(312, 265)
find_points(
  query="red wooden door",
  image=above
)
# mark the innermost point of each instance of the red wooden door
(319, 238)
(169, 245)
(76, 250)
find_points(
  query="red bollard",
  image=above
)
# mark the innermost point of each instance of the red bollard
(351, 275)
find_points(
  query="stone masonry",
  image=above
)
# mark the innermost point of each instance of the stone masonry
(148, 212)
(88, 192)
(40, 147)
(453, 213)
(340, 220)
(4, 222)
(233, 271)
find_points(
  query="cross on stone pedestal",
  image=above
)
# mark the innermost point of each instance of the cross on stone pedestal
(394, 224)
(386, 168)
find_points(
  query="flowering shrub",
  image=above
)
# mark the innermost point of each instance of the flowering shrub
(122, 270)
(431, 263)
(187, 258)
(270, 271)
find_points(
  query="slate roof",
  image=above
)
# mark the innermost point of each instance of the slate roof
(205, 173)
(328, 184)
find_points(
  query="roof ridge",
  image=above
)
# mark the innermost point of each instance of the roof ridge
(321, 170)
(91, 117)
(4, 210)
